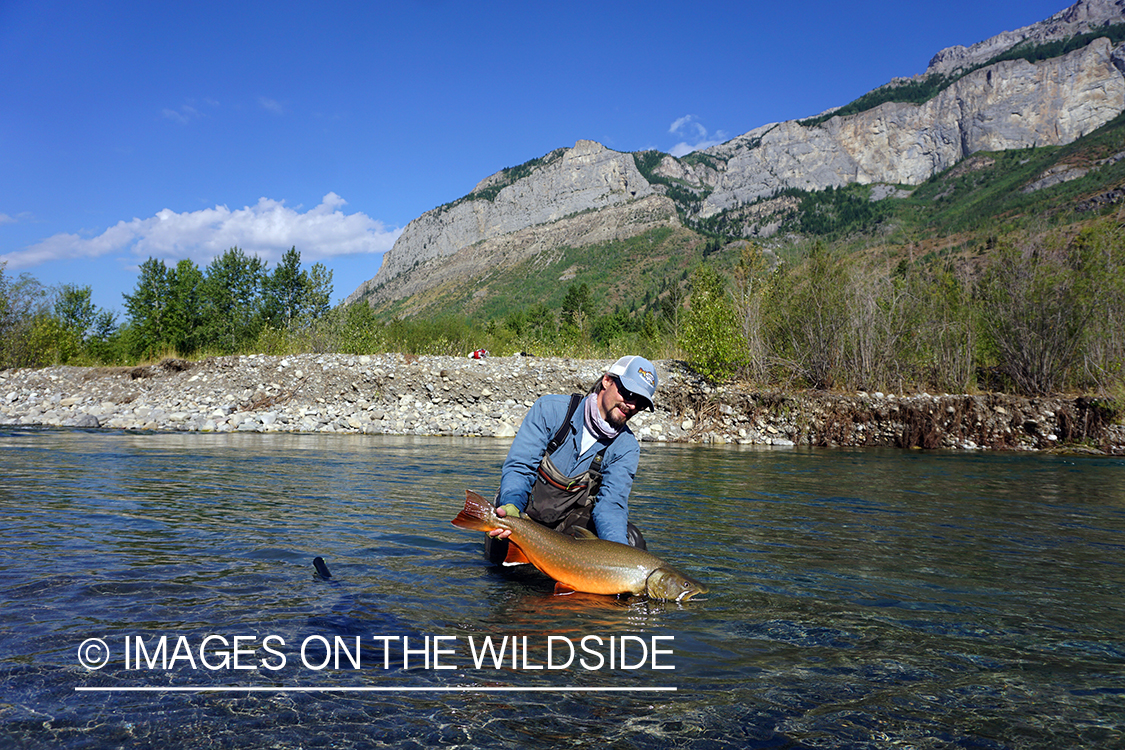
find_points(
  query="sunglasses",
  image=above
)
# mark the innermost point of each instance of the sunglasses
(628, 396)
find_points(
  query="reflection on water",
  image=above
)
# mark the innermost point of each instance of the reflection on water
(858, 599)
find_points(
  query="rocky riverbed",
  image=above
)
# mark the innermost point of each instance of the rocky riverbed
(405, 395)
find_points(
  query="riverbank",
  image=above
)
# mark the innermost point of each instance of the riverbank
(454, 396)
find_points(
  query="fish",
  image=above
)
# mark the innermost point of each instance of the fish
(586, 564)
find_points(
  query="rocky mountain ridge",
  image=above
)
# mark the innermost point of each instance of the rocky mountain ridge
(559, 200)
(563, 183)
(1009, 105)
(1081, 18)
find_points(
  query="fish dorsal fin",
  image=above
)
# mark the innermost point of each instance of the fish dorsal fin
(515, 555)
(562, 589)
(583, 533)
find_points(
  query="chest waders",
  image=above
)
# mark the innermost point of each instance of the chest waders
(560, 502)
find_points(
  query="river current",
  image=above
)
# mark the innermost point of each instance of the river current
(158, 590)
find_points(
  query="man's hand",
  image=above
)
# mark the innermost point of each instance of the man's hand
(505, 510)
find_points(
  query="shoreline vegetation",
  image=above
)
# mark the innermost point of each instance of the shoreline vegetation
(815, 344)
(1035, 314)
(396, 394)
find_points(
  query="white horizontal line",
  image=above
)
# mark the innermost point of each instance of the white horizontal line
(466, 689)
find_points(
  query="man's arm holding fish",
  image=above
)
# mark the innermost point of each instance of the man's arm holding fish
(611, 512)
(522, 464)
(594, 566)
(626, 387)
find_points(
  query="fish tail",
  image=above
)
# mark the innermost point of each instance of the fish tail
(476, 515)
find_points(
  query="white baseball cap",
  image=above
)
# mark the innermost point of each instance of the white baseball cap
(637, 375)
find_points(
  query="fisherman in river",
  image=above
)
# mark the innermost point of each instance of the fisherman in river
(573, 460)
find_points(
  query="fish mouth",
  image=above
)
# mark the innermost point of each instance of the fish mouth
(663, 584)
(690, 594)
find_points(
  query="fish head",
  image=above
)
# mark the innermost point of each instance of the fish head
(672, 585)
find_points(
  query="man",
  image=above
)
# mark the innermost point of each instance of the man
(573, 460)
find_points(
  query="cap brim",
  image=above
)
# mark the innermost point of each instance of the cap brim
(637, 388)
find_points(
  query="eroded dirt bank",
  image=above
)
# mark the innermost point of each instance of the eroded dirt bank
(396, 394)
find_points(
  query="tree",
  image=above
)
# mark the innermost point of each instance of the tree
(1036, 304)
(810, 303)
(671, 301)
(577, 303)
(939, 336)
(4, 303)
(1100, 252)
(284, 291)
(104, 338)
(711, 337)
(576, 314)
(318, 292)
(147, 308)
(185, 308)
(359, 330)
(82, 327)
(751, 279)
(293, 297)
(231, 296)
(23, 309)
(75, 310)
(541, 319)
(609, 327)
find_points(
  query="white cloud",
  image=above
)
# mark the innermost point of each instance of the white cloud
(695, 136)
(22, 217)
(187, 112)
(682, 123)
(271, 105)
(266, 229)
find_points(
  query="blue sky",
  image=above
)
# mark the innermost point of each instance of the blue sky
(177, 130)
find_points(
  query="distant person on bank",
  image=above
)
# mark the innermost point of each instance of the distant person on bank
(573, 460)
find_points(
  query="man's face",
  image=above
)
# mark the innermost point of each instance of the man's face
(616, 403)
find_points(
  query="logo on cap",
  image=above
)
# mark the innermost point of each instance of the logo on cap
(647, 376)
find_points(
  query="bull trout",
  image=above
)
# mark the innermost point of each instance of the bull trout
(591, 565)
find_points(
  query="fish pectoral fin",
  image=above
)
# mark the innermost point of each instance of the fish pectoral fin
(562, 589)
(582, 533)
(515, 556)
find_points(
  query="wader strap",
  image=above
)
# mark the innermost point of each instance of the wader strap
(596, 474)
(564, 429)
(559, 501)
(560, 437)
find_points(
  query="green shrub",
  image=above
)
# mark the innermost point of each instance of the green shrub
(710, 335)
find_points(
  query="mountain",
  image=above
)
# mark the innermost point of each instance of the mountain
(1045, 85)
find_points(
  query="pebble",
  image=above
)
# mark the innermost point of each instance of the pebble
(386, 394)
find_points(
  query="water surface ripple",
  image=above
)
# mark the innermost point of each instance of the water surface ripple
(860, 599)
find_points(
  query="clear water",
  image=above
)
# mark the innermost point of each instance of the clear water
(859, 599)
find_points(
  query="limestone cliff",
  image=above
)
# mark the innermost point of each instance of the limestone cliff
(561, 184)
(563, 197)
(540, 242)
(1081, 18)
(1012, 104)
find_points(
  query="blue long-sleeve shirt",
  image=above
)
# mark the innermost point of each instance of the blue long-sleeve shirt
(619, 464)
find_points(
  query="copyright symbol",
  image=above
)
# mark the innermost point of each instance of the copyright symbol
(93, 653)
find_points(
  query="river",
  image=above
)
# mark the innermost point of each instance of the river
(859, 599)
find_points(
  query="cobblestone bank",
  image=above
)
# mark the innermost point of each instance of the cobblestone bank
(404, 395)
